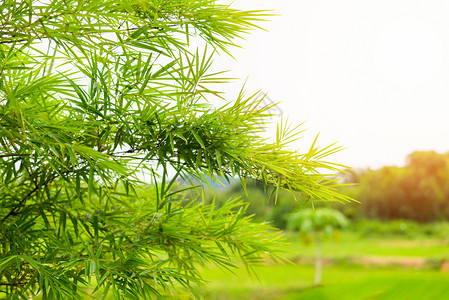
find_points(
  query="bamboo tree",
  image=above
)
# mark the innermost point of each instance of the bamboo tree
(93, 94)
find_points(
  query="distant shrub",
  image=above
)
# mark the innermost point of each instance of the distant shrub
(401, 228)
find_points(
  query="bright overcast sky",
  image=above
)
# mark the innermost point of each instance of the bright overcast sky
(370, 75)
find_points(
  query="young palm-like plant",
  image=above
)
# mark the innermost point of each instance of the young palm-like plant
(315, 223)
(96, 95)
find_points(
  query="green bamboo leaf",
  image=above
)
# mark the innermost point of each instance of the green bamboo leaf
(91, 180)
(198, 139)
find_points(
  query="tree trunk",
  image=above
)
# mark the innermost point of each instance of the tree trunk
(318, 260)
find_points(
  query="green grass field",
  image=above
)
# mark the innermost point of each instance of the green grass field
(339, 282)
(356, 268)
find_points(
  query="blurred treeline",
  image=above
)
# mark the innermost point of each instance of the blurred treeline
(418, 191)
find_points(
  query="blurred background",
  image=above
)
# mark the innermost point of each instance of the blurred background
(394, 245)
(370, 75)
(374, 77)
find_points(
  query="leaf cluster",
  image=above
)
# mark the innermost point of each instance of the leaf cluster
(95, 94)
(319, 220)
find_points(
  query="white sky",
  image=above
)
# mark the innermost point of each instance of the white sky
(370, 75)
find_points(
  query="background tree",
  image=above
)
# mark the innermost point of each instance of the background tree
(418, 191)
(315, 224)
(93, 94)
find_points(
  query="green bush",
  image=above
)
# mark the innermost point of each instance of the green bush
(401, 228)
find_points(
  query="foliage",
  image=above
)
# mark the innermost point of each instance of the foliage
(400, 228)
(324, 220)
(262, 202)
(94, 97)
(418, 191)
